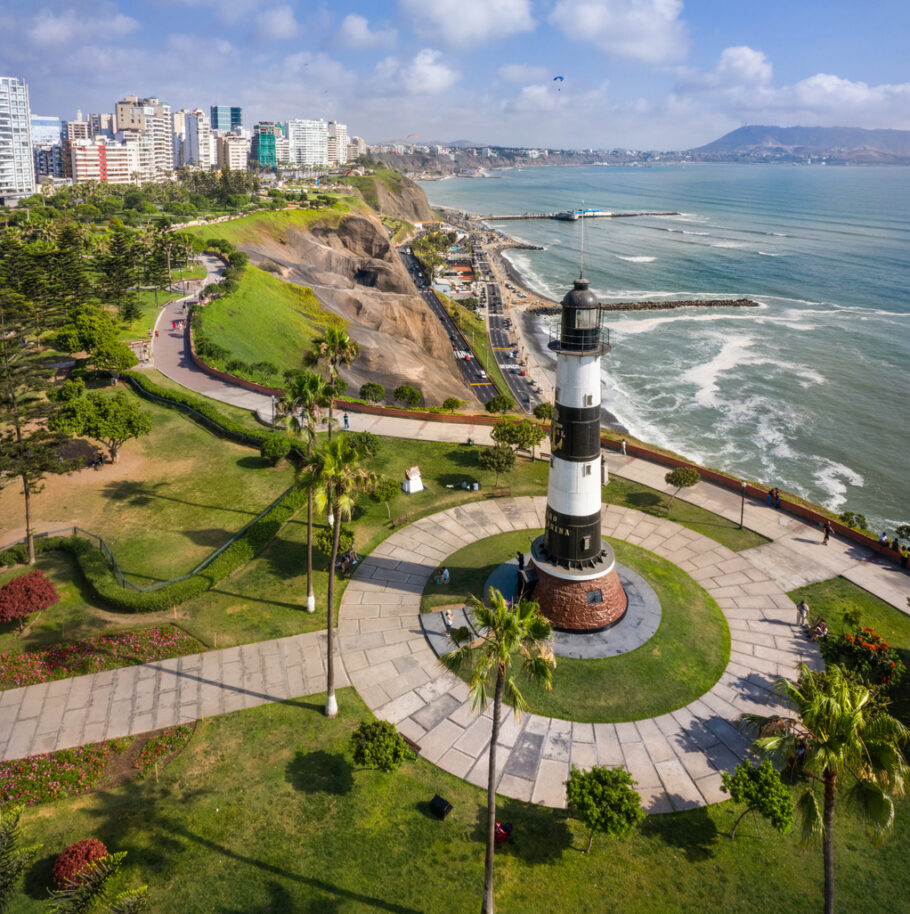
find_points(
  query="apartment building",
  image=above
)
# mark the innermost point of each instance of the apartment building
(263, 151)
(337, 143)
(233, 152)
(199, 145)
(17, 167)
(148, 122)
(102, 159)
(308, 141)
(225, 119)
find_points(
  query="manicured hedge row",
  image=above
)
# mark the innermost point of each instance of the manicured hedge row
(18, 555)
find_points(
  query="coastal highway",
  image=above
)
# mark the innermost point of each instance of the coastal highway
(474, 375)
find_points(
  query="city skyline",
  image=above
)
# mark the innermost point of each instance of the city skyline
(636, 73)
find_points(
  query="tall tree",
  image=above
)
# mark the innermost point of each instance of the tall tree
(509, 634)
(74, 286)
(842, 742)
(336, 477)
(29, 450)
(120, 271)
(333, 349)
(306, 395)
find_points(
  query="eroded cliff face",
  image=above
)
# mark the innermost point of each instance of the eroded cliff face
(356, 273)
(408, 203)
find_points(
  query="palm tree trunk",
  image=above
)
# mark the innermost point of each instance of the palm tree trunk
(310, 597)
(331, 705)
(828, 838)
(491, 795)
(29, 534)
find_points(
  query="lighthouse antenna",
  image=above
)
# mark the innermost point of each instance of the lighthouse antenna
(581, 256)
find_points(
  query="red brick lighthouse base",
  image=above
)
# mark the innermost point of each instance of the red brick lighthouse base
(582, 600)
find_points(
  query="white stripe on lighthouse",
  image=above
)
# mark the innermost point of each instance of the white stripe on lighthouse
(577, 379)
(574, 487)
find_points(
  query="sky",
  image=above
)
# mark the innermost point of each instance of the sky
(643, 74)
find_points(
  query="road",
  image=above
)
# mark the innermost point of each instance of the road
(473, 372)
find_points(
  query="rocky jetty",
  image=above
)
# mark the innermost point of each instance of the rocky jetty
(661, 305)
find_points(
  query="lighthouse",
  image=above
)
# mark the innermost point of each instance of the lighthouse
(577, 586)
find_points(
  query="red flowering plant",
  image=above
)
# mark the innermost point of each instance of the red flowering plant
(27, 594)
(867, 654)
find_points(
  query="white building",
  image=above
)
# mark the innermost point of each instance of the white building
(233, 152)
(337, 143)
(17, 167)
(308, 141)
(198, 147)
(149, 122)
(282, 150)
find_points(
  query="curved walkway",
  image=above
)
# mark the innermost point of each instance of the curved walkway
(676, 758)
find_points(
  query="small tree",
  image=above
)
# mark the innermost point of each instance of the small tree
(323, 540)
(13, 859)
(762, 791)
(450, 404)
(27, 594)
(682, 478)
(112, 420)
(274, 448)
(377, 744)
(407, 394)
(367, 443)
(372, 391)
(604, 799)
(384, 491)
(544, 411)
(114, 357)
(498, 459)
(903, 532)
(500, 404)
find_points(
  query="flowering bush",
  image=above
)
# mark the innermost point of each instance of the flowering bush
(866, 653)
(158, 747)
(75, 859)
(52, 775)
(93, 655)
(27, 594)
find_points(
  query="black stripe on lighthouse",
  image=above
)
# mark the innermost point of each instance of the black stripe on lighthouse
(575, 434)
(569, 539)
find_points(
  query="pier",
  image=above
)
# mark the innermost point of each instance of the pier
(573, 215)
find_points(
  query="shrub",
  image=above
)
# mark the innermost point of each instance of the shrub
(762, 791)
(27, 594)
(323, 540)
(274, 448)
(500, 404)
(854, 520)
(372, 392)
(407, 394)
(450, 404)
(367, 443)
(75, 859)
(867, 654)
(377, 744)
(544, 411)
(236, 366)
(604, 799)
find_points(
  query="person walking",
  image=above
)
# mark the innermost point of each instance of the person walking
(347, 423)
(521, 560)
(828, 531)
(802, 613)
(447, 620)
(622, 447)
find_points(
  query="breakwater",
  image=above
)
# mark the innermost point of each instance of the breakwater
(659, 305)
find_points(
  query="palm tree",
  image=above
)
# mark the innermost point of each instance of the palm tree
(507, 632)
(305, 396)
(837, 735)
(335, 477)
(333, 349)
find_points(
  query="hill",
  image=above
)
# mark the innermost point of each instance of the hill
(838, 144)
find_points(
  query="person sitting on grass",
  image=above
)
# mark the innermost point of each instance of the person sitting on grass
(819, 630)
(442, 577)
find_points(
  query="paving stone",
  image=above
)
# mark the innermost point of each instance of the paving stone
(524, 758)
(435, 711)
(549, 786)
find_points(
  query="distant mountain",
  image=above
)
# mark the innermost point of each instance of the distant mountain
(842, 143)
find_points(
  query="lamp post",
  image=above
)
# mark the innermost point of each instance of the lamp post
(273, 409)
(742, 507)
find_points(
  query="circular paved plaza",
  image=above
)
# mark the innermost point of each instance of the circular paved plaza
(675, 758)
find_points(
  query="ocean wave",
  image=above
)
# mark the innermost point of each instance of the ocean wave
(732, 353)
(833, 478)
(769, 254)
(727, 244)
(695, 233)
(637, 259)
(778, 234)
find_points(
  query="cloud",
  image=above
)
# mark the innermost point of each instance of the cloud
(646, 30)
(424, 75)
(277, 24)
(737, 66)
(48, 29)
(462, 23)
(355, 33)
(522, 73)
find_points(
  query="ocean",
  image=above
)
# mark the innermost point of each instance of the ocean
(810, 390)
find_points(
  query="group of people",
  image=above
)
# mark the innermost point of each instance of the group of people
(347, 560)
(773, 498)
(442, 576)
(896, 546)
(817, 629)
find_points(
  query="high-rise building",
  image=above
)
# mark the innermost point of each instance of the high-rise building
(101, 159)
(17, 168)
(198, 145)
(45, 130)
(233, 152)
(308, 141)
(149, 121)
(337, 143)
(263, 151)
(225, 119)
(101, 124)
(48, 159)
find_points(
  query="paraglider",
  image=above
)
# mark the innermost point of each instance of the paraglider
(558, 79)
(413, 135)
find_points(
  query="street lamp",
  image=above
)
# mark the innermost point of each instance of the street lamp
(742, 507)
(273, 409)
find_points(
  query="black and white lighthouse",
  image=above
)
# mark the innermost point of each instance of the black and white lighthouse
(577, 585)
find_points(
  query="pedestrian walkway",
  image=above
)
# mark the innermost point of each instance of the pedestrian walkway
(676, 759)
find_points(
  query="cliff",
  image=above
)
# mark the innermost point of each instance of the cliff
(393, 195)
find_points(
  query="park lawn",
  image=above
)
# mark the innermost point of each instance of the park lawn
(138, 329)
(176, 495)
(832, 598)
(266, 598)
(262, 811)
(629, 494)
(682, 661)
(266, 320)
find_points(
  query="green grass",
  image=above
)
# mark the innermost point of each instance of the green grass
(274, 225)
(629, 494)
(832, 598)
(263, 812)
(266, 320)
(138, 328)
(479, 340)
(679, 663)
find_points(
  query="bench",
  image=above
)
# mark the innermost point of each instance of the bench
(502, 491)
(400, 520)
(414, 747)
